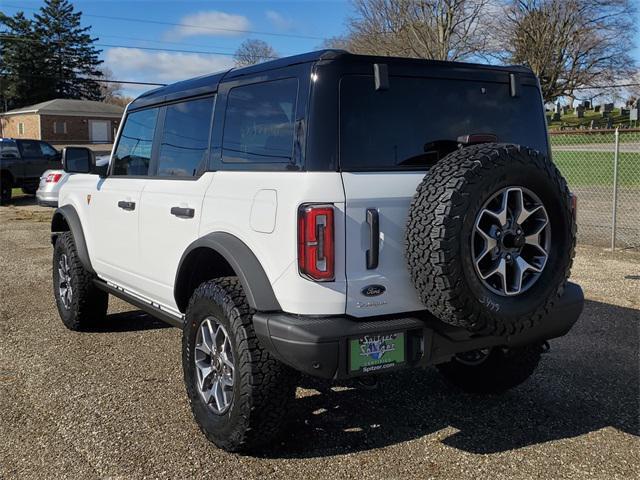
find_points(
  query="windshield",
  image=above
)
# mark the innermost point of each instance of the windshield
(420, 120)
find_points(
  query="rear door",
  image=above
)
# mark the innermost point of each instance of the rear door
(171, 205)
(32, 159)
(388, 140)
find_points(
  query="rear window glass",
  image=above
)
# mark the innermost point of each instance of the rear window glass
(184, 144)
(8, 149)
(418, 120)
(258, 124)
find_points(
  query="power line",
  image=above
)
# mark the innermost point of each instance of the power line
(212, 29)
(101, 80)
(108, 45)
(597, 87)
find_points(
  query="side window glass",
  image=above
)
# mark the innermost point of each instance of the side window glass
(259, 122)
(133, 154)
(30, 148)
(184, 143)
(47, 149)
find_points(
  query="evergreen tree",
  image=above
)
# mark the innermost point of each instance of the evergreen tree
(70, 51)
(21, 64)
(51, 56)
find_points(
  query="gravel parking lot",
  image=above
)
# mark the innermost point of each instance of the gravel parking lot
(110, 403)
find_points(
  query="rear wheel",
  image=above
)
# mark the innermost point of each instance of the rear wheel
(492, 370)
(6, 185)
(239, 394)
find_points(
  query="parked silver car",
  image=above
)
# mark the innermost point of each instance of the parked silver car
(52, 180)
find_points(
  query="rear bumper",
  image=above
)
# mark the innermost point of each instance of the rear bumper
(47, 199)
(319, 346)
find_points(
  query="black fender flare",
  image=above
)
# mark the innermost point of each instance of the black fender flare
(244, 263)
(67, 215)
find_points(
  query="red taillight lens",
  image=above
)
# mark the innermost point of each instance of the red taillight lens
(316, 249)
(53, 177)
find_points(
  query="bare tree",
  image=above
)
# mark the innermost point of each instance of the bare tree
(109, 89)
(568, 44)
(253, 51)
(435, 29)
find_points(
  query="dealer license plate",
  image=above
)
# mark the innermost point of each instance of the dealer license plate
(371, 353)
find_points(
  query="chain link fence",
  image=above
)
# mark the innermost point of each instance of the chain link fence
(602, 168)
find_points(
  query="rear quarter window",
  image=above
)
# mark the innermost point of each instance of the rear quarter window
(418, 120)
(259, 123)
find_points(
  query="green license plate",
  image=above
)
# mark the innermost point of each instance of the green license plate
(371, 353)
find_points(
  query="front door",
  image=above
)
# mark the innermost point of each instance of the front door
(32, 159)
(116, 204)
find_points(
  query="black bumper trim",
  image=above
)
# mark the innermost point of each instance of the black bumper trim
(318, 345)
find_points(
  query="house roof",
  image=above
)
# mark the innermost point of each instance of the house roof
(63, 106)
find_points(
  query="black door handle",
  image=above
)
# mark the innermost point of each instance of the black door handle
(374, 238)
(127, 205)
(183, 212)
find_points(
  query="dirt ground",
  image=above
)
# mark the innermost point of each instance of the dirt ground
(110, 403)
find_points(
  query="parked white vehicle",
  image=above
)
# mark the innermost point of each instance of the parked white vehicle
(285, 234)
(51, 181)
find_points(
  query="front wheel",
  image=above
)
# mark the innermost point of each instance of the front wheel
(238, 392)
(80, 303)
(492, 370)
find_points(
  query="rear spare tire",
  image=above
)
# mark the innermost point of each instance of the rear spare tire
(490, 238)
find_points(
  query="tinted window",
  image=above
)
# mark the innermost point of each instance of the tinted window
(418, 120)
(185, 138)
(47, 149)
(30, 148)
(133, 154)
(259, 122)
(8, 149)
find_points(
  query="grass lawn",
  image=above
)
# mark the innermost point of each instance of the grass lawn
(596, 168)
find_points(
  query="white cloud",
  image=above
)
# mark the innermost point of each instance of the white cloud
(210, 23)
(278, 20)
(161, 67)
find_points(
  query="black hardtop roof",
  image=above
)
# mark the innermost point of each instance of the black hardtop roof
(209, 83)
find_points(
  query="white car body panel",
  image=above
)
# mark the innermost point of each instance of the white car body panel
(390, 193)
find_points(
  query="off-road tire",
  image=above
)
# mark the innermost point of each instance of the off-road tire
(6, 187)
(502, 370)
(441, 219)
(89, 304)
(263, 387)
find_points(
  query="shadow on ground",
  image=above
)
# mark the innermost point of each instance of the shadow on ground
(132, 321)
(589, 380)
(23, 201)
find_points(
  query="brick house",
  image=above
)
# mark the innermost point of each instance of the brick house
(63, 121)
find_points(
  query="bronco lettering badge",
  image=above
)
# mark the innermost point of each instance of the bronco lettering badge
(373, 290)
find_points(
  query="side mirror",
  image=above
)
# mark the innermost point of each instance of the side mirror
(77, 160)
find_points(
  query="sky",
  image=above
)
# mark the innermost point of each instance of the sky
(290, 27)
(214, 29)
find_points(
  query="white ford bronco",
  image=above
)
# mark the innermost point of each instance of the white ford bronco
(331, 214)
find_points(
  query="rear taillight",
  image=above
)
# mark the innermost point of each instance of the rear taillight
(316, 248)
(53, 177)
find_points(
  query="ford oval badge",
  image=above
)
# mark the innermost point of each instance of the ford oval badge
(373, 290)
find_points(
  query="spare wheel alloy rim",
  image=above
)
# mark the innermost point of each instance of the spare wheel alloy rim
(510, 241)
